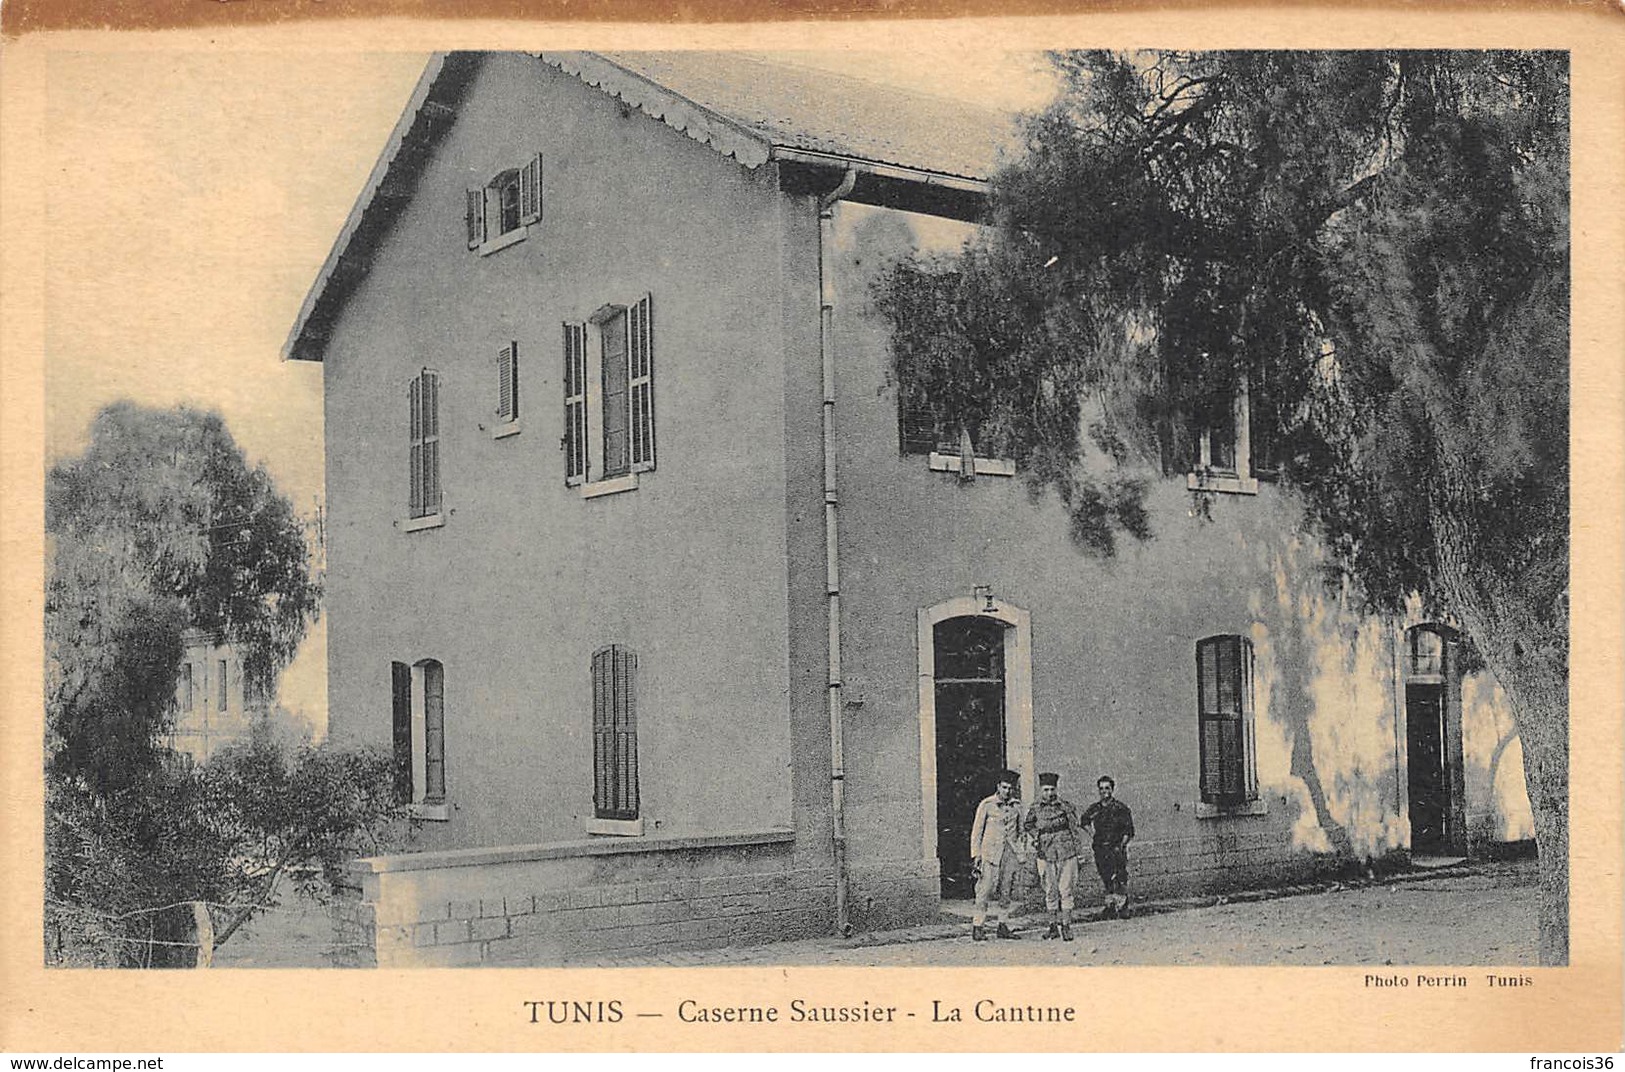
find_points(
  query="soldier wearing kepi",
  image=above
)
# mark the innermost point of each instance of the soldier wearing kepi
(1114, 829)
(997, 850)
(1053, 823)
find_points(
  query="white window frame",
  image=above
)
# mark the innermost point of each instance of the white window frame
(526, 181)
(1237, 481)
(595, 484)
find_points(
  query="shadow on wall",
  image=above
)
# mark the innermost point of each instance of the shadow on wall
(1324, 711)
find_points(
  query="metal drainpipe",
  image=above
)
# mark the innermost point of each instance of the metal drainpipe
(832, 556)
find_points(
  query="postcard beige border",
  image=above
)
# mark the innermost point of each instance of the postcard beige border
(1572, 1009)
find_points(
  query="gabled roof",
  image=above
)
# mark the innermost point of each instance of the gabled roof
(914, 150)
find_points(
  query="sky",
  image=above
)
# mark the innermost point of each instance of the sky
(200, 192)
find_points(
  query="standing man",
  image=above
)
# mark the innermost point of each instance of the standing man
(1053, 823)
(996, 852)
(1114, 829)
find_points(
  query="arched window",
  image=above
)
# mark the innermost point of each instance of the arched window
(1224, 701)
(418, 703)
(615, 733)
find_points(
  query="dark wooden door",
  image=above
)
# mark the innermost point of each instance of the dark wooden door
(970, 737)
(1427, 775)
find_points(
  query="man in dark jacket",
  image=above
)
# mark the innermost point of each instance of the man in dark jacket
(1114, 828)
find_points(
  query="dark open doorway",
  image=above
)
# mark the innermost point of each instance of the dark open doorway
(1433, 774)
(969, 682)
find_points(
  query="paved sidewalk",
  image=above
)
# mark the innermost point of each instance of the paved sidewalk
(1481, 913)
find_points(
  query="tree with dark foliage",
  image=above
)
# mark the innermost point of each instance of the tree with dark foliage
(158, 527)
(1374, 246)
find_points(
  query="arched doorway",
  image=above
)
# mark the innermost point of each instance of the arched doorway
(975, 719)
(1433, 750)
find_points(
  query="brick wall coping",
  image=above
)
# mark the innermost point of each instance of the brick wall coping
(559, 850)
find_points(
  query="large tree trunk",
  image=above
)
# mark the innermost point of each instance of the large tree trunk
(1527, 653)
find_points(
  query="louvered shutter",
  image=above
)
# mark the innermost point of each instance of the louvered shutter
(508, 382)
(626, 733)
(1177, 444)
(475, 217)
(414, 394)
(640, 339)
(1224, 701)
(615, 735)
(916, 423)
(401, 716)
(429, 397)
(575, 403)
(530, 191)
(434, 733)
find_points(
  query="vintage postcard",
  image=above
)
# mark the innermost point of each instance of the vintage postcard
(982, 534)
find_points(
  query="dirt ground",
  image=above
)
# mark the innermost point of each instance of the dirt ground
(1482, 915)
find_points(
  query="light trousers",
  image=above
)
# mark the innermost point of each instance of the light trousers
(1059, 879)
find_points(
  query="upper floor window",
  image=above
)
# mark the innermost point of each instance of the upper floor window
(501, 212)
(186, 688)
(423, 404)
(609, 402)
(418, 706)
(949, 446)
(615, 733)
(1224, 702)
(223, 688)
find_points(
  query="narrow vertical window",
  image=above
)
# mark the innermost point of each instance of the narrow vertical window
(575, 403)
(615, 733)
(1225, 717)
(186, 687)
(508, 382)
(617, 459)
(640, 338)
(224, 689)
(434, 732)
(423, 401)
(400, 680)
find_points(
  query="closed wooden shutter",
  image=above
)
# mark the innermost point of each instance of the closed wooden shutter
(508, 382)
(429, 397)
(617, 456)
(400, 676)
(615, 733)
(916, 423)
(414, 403)
(434, 733)
(575, 403)
(1224, 702)
(641, 381)
(530, 191)
(475, 218)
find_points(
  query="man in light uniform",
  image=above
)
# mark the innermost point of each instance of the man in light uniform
(1053, 824)
(997, 852)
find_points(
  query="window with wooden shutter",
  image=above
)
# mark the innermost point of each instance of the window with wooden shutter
(475, 218)
(400, 680)
(434, 732)
(530, 191)
(186, 689)
(223, 688)
(508, 382)
(641, 382)
(423, 400)
(615, 733)
(1224, 685)
(614, 353)
(575, 403)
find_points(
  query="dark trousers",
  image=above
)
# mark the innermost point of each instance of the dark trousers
(1112, 863)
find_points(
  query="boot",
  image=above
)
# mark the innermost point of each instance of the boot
(1005, 932)
(978, 933)
(1054, 931)
(1066, 932)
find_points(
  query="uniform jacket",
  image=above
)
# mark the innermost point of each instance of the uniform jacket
(995, 830)
(1056, 828)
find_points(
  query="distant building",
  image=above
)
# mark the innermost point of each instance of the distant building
(213, 705)
(686, 629)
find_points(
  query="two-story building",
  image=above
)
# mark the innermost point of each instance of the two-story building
(683, 634)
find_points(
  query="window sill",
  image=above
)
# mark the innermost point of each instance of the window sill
(1204, 810)
(430, 813)
(490, 246)
(612, 486)
(428, 521)
(1227, 483)
(949, 463)
(615, 827)
(505, 429)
